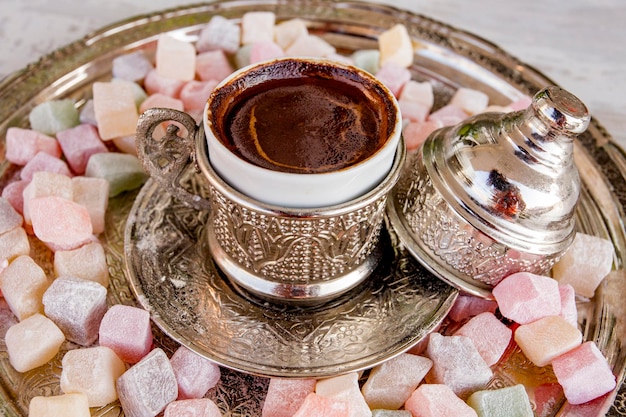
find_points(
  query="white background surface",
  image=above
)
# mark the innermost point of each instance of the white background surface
(577, 43)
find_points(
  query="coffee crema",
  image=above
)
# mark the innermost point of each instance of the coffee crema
(303, 118)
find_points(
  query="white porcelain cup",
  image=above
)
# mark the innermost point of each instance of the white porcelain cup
(294, 189)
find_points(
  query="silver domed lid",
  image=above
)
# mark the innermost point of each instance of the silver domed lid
(495, 194)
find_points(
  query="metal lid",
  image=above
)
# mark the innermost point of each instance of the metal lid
(503, 187)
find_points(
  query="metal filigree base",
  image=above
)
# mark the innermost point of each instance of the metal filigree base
(175, 278)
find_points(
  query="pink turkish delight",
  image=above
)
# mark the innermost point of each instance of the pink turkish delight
(416, 133)
(14, 193)
(60, 223)
(568, 304)
(9, 217)
(344, 388)
(394, 77)
(467, 306)
(490, 336)
(525, 297)
(195, 375)
(448, 115)
(44, 162)
(195, 93)
(23, 144)
(78, 144)
(213, 65)
(437, 400)
(584, 373)
(219, 33)
(127, 331)
(77, 307)
(147, 387)
(315, 405)
(154, 83)
(285, 396)
(264, 51)
(45, 184)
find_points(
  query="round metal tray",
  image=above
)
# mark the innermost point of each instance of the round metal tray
(448, 57)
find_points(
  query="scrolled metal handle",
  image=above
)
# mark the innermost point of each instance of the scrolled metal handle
(168, 159)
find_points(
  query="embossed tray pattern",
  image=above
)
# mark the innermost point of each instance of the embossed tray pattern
(448, 57)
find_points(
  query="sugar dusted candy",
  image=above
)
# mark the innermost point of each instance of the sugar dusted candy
(393, 76)
(242, 56)
(147, 387)
(413, 111)
(9, 217)
(66, 405)
(60, 223)
(14, 193)
(467, 306)
(457, 364)
(123, 171)
(285, 396)
(437, 400)
(345, 388)
(448, 115)
(310, 45)
(175, 58)
(490, 336)
(587, 261)
(46, 163)
(92, 372)
(367, 59)
(126, 144)
(154, 83)
(257, 27)
(584, 373)
(315, 405)
(525, 297)
(53, 116)
(23, 144)
(219, 33)
(546, 339)
(78, 144)
(503, 402)
(285, 33)
(126, 330)
(195, 375)
(568, 304)
(194, 94)
(395, 46)
(264, 51)
(33, 342)
(139, 94)
(470, 100)
(88, 114)
(390, 384)
(77, 307)
(45, 184)
(23, 284)
(133, 66)
(93, 194)
(213, 65)
(416, 133)
(202, 407)
(418, 92)
(13, 244)
(87, 262)
(115, 109)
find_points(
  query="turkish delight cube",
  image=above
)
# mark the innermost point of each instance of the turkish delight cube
(123, 171)
(133, 66)
(437, 400)
(213, 65)
(525, 297)
(394, 77)
(175, 58)
(92, 371)
(219, 33)
(33, 342)
(93, 194)
(66, 405)
(115, 109)
(310, 45)
(127, 331)
(9, 217)
(147, 387)
(23, 144)
(285, 33)
(87, 262)
(44, 162)
(195, 375)
(315, 405)
(344, 388)
(46, 184)
(390, 384)
(154, 83)
(257, 26)
(52, 116)
(285, 396)
(546, 339)
(472, 101)
(503, 402)
(201, 407)
(78, 144)
(13, 244)
(490, 336)
(60, 223)
(395, 46)
(77, 307)
(23, 284)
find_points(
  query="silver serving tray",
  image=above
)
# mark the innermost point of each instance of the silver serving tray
(448, 57)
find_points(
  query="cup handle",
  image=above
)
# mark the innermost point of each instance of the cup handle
(169, 159)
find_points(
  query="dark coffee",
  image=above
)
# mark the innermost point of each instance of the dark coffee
(302, 117)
